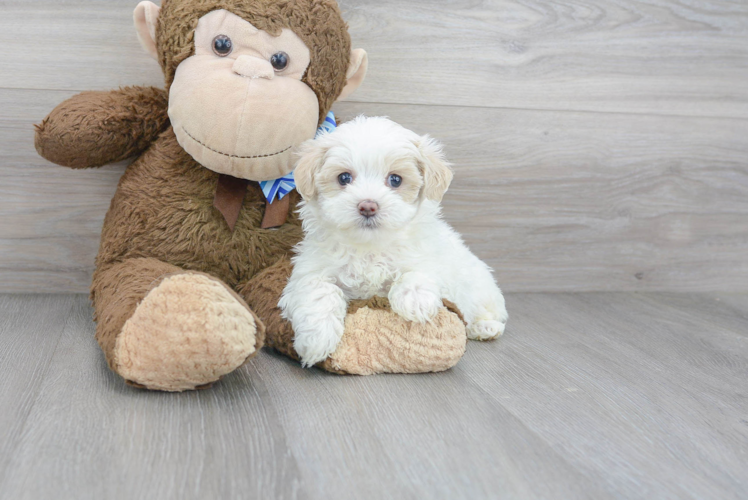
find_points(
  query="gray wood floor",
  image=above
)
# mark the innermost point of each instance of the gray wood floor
(605, 395)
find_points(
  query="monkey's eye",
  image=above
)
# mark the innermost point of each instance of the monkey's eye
(345, 178)
(222, 45)
(279, 61)
(394, 180)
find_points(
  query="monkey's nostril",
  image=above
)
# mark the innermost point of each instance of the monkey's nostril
(368, 208)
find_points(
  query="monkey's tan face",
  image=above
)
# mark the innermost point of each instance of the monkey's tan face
(238, 105)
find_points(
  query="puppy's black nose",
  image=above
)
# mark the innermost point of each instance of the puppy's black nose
(368, 208)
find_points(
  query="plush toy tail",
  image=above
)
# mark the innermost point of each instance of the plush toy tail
(92, 129)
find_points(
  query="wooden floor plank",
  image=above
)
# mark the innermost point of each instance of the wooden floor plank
(632, 389)
(30, 328)
(653, 56)
(737, 303)
(90, 436)
(608, 395)
(554, 201)
(274, 427)
(422, 436)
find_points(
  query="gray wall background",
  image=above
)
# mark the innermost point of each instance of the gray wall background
(598, 145)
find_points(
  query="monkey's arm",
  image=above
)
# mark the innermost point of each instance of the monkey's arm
(92, 129)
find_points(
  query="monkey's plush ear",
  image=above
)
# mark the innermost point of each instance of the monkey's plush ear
(146, 18)
(436, 171)
(356, 72)
(311, 157)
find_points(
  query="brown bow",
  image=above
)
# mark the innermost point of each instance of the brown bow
(229, 198)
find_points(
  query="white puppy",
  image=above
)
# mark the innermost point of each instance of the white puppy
(373, 226)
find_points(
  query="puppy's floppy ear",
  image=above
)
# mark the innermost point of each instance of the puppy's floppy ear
(436, 170)
(311, 157)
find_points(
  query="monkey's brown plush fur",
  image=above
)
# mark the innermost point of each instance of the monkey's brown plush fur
(95, 128)
(180, 299)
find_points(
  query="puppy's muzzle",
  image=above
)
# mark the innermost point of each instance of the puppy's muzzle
(368, 208)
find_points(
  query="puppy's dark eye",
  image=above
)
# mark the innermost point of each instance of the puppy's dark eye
(345, 178)
(222, 45)
(279, 61)
(394, 180)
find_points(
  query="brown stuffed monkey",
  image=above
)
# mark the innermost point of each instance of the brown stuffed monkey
(193, 257)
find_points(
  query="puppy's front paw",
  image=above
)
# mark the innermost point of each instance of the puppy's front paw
(415, 298)
(316, 340)
(489, 323)
(316, 310)
(485, 329)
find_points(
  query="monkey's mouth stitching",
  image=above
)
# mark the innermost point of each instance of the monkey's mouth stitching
(234, 156)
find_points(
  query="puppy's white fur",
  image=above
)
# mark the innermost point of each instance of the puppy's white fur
(406, 252)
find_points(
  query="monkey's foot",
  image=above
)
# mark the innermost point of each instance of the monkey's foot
(376, 340)
(187, 333)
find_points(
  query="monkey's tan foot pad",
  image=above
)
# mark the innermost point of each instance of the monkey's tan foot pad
(376, 340)
(188, 332)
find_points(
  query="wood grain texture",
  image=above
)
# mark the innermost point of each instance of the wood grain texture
(601, 396)
(630, 388)
(574, 169)
(90, 436)
(552, 200)
(30, 328)
(50, 216)
(591, 201)
(653, 56)
(426, 436)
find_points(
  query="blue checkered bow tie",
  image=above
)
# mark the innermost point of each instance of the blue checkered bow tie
(278, 188)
